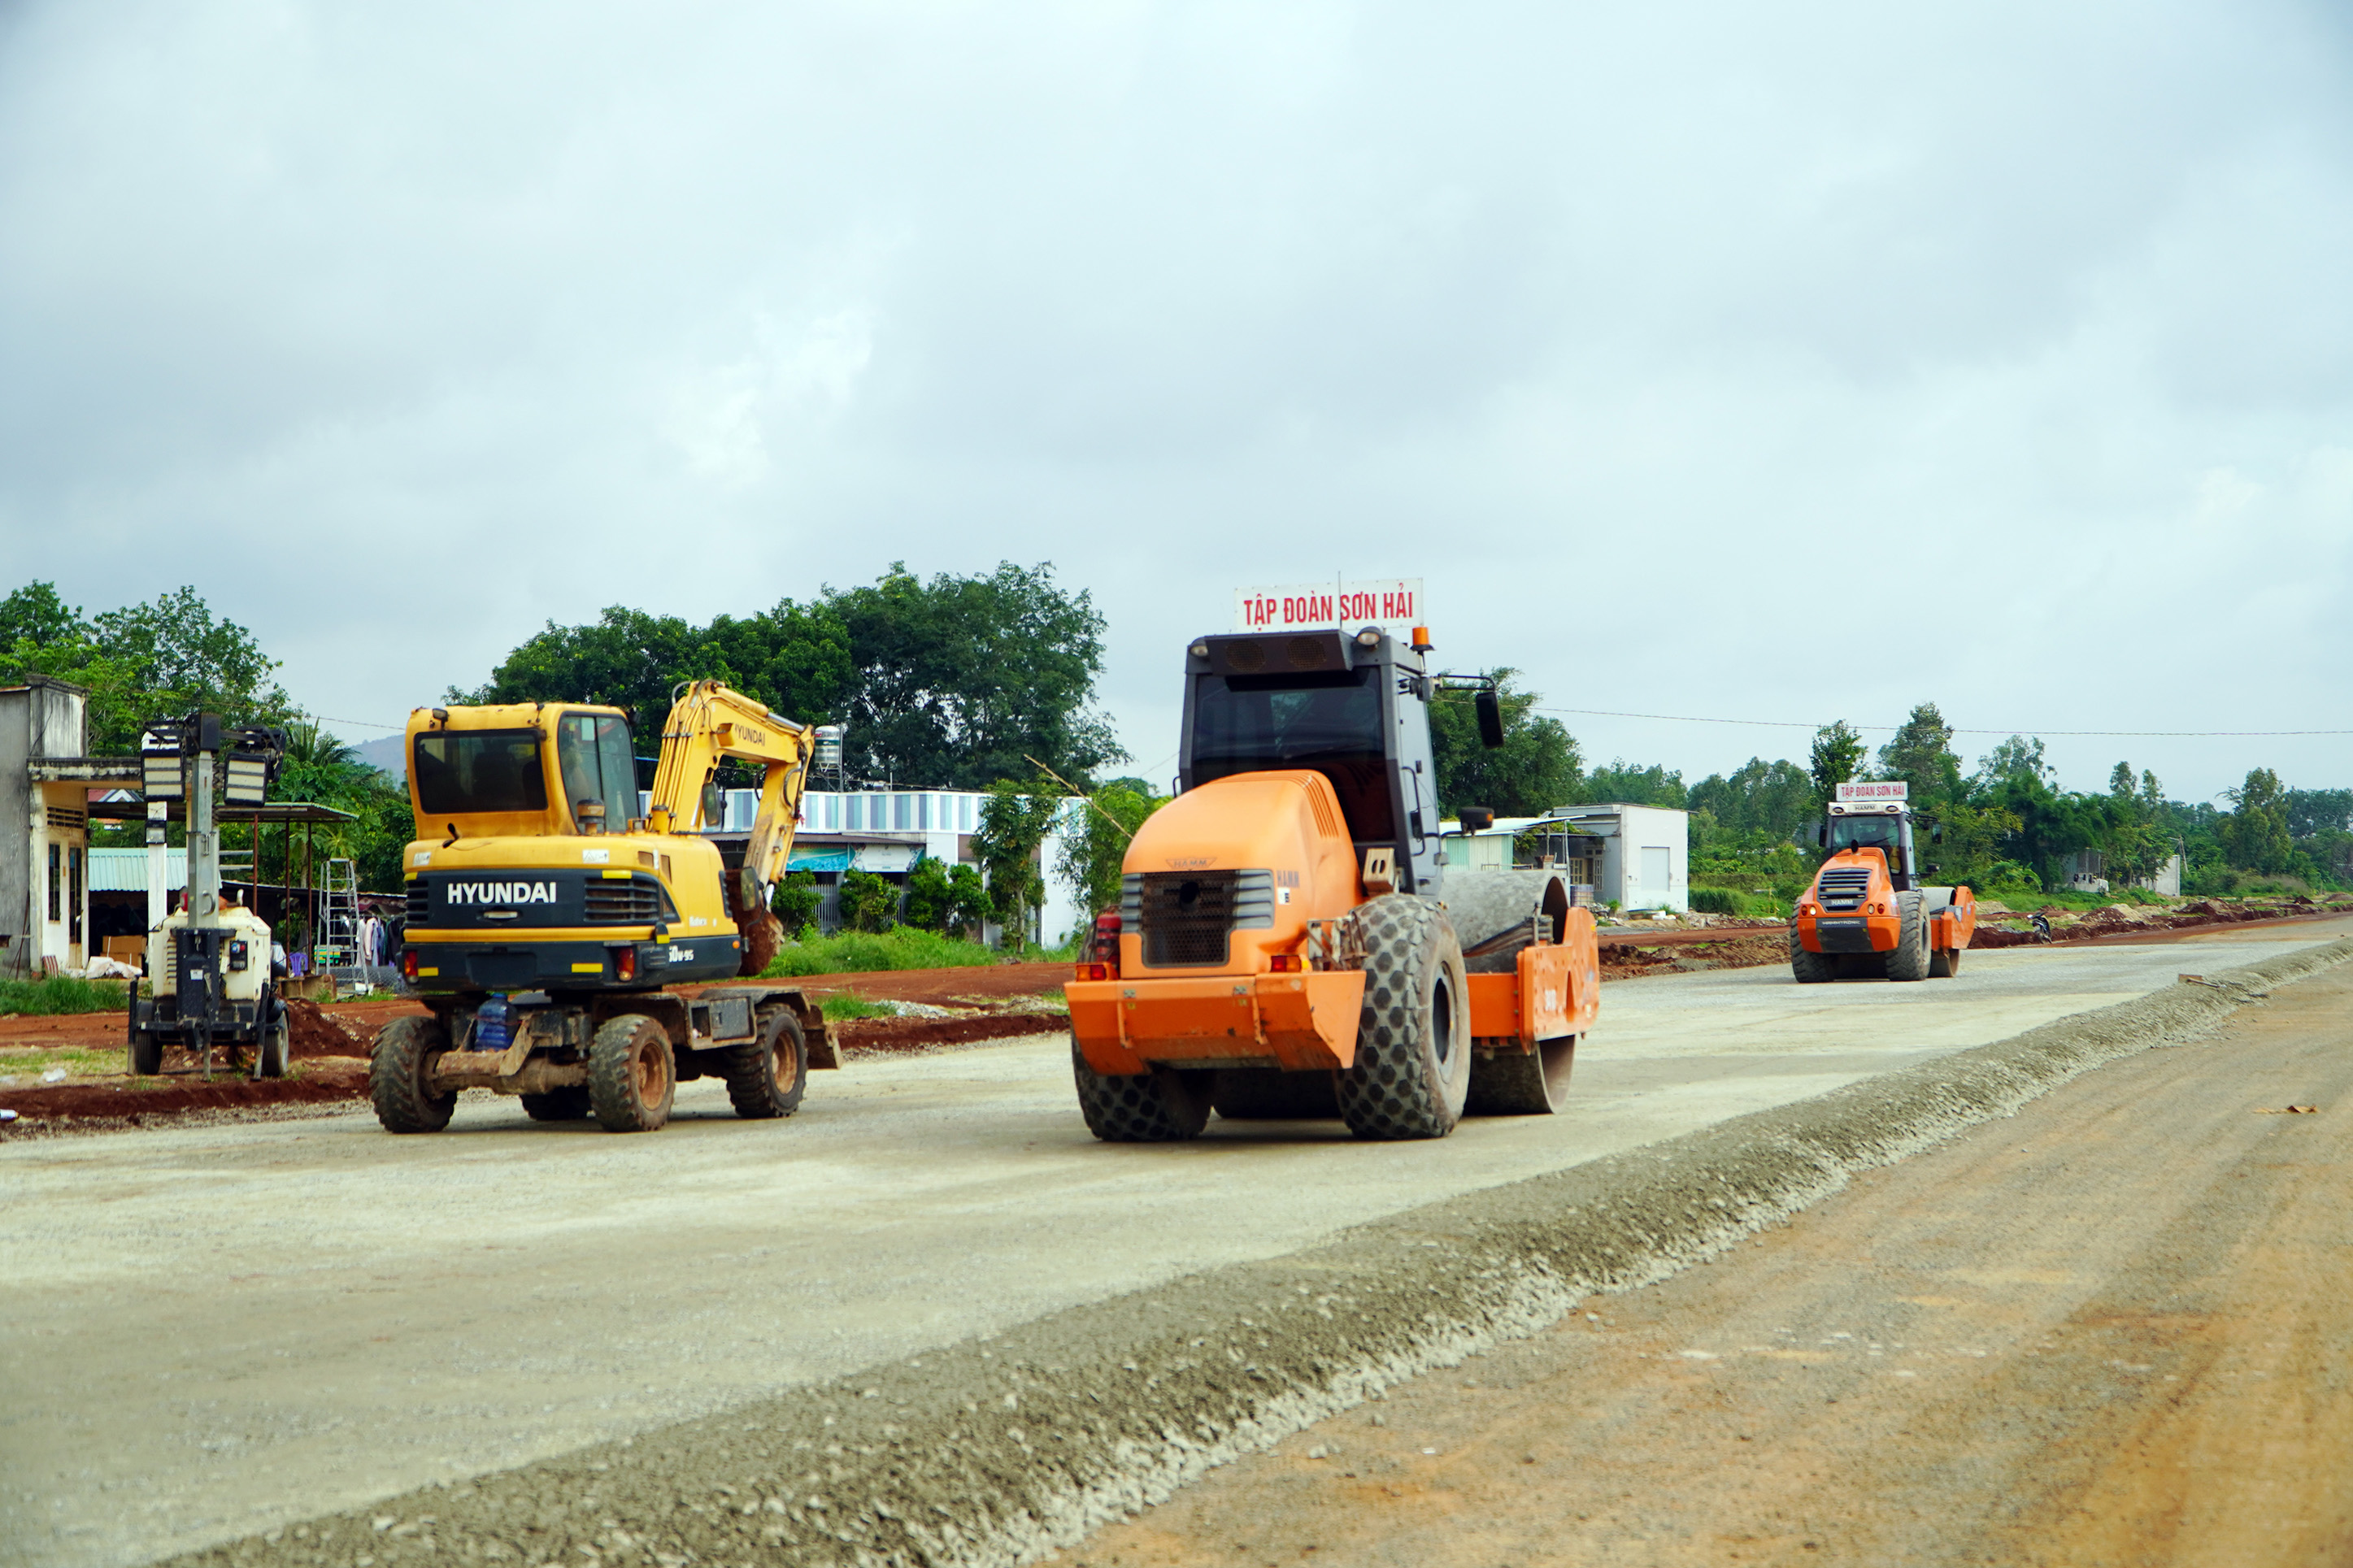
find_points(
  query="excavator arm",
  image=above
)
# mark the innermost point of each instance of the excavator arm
(710, 724)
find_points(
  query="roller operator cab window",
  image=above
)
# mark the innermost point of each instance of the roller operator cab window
(464, 770)
(1865, 833)
(592, 751)
(1329, 722)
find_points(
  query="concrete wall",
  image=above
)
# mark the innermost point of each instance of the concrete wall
(40, 721)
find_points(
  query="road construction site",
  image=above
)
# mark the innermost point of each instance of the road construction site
(929, 1314)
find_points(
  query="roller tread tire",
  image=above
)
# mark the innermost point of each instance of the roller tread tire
(1405, 1083)
(1910, 961)
(766, 1078)
(632, 1074)
(568, 1103)
(1162, 1106)
(398, 1068)
(1810, 968)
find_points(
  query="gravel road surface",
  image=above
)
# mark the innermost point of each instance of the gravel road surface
(2112, 1329)
(208, 1331)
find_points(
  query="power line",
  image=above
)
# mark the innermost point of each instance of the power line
(2039, 735)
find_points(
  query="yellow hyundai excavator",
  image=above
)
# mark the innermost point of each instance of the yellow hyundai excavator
(549, 921)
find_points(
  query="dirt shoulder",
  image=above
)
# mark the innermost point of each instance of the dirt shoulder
(2110, 1328)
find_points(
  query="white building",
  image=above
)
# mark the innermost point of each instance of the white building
(1634, 856)
(888, 832)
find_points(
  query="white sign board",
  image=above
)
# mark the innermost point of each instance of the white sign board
(1392, 604)
(1893, 790)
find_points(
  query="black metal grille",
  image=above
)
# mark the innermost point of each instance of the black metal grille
(1843, 889)
(420, 905)
(1842, 936)
(634, 902)
(1185, 916)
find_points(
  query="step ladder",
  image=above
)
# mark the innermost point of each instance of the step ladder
(339, 921)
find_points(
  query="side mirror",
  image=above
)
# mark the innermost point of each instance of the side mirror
(1478, 818)
(1934, 870)
(1822, 835)
(1936, 834)
(1491, 718)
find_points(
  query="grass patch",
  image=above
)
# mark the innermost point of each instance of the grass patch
(57, 993)
(79, 1062)
(840, 1009)
(901, 947)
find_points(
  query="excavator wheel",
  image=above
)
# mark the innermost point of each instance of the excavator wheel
(1810, 968)
(1162, 1106)
(767, 1077)
(1911, 958)
(1413, 1071)
(763, 938)
(632, 1074)
(400, 1071)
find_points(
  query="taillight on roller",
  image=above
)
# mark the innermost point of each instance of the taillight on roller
(1103, 951)
(1285, 963)
(1091, 971)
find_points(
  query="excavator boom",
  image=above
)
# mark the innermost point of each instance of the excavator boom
(710, 724)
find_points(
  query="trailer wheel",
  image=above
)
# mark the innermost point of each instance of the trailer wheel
(631, 1074)
(1522, 1083)
(400, 1080)
(1162, 1106)
(146, 1052)
(1910, 959)
(276, 1048)
(1810, 968)
(1412, 1072)
(768, 1077)
(567, 1103)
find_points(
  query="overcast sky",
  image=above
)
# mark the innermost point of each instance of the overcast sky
(1747, 363)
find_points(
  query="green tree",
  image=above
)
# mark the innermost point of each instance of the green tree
(960, 680)
(968, 900)
(1921, 754)
(1774, 798)
(2255, 835)
(1013, 824)
(2016, 758)
(794, 900)
(929, 894)
(1091, 854)
(141, 663)
(948, 683)
(1633, 784)
(869, 902)
(1535, 769)
(1836, 758)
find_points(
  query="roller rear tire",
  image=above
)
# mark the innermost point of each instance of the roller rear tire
(400, 1077)
(1810, 968)
(632, 1074)
(1162, 1106)
(1412, 1072)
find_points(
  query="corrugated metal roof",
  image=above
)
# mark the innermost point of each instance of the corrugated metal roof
(125, 870)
